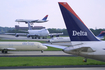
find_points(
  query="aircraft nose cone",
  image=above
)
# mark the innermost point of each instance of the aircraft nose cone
(44, 47)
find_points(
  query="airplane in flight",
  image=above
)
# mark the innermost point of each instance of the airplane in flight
(7, 46)
(33, 21)
(67, 39)
(36, 33)
(83, 41)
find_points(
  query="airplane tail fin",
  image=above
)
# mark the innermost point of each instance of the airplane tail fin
(45, 18)
(102, 34)
(77, 30)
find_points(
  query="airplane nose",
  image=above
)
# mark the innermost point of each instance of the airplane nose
(44, 47)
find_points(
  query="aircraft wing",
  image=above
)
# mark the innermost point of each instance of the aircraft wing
(11, 48)
(55, 46)
(26, 21)
(73, 49)
(16, 33)
(24, 31)
(8, 48)
(56, 34)
(9, 33)
(21, 34)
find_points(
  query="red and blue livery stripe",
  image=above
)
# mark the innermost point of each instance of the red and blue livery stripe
(102, 34)
(77, 30)
(45, 17)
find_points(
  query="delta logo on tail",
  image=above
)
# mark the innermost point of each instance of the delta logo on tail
(80, 33)
(77, 30)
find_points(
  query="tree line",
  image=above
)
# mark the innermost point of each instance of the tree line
(65, 33)
(51, 30)
(5, 29)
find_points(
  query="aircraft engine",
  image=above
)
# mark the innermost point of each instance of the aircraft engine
(16, 35)
(28, 36)
(57, 35)
(51, 36)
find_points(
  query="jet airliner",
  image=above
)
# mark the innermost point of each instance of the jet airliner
(37, 33)
(83, 41)
(7, 46)
(33, 21)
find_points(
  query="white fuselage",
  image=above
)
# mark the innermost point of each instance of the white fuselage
(42, 32)
(41, 21)
(22, 46)
(96, 50)
(59, 39)
(30, 21)
(63, 39)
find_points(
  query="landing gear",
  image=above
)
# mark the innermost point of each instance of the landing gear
(41, 51)
(85, 60)
(38, 37)
(33, 37)
(44, 37)
(4, 51)
(51, 36)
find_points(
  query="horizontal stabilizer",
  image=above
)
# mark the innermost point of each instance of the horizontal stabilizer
(56, 34)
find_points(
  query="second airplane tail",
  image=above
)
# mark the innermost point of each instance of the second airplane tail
(77, 30)
(101, 35)
(45, 18)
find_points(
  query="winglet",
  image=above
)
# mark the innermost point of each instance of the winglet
(45, 17)
(77, 30)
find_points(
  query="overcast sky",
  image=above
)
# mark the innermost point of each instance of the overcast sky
(92, 12)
